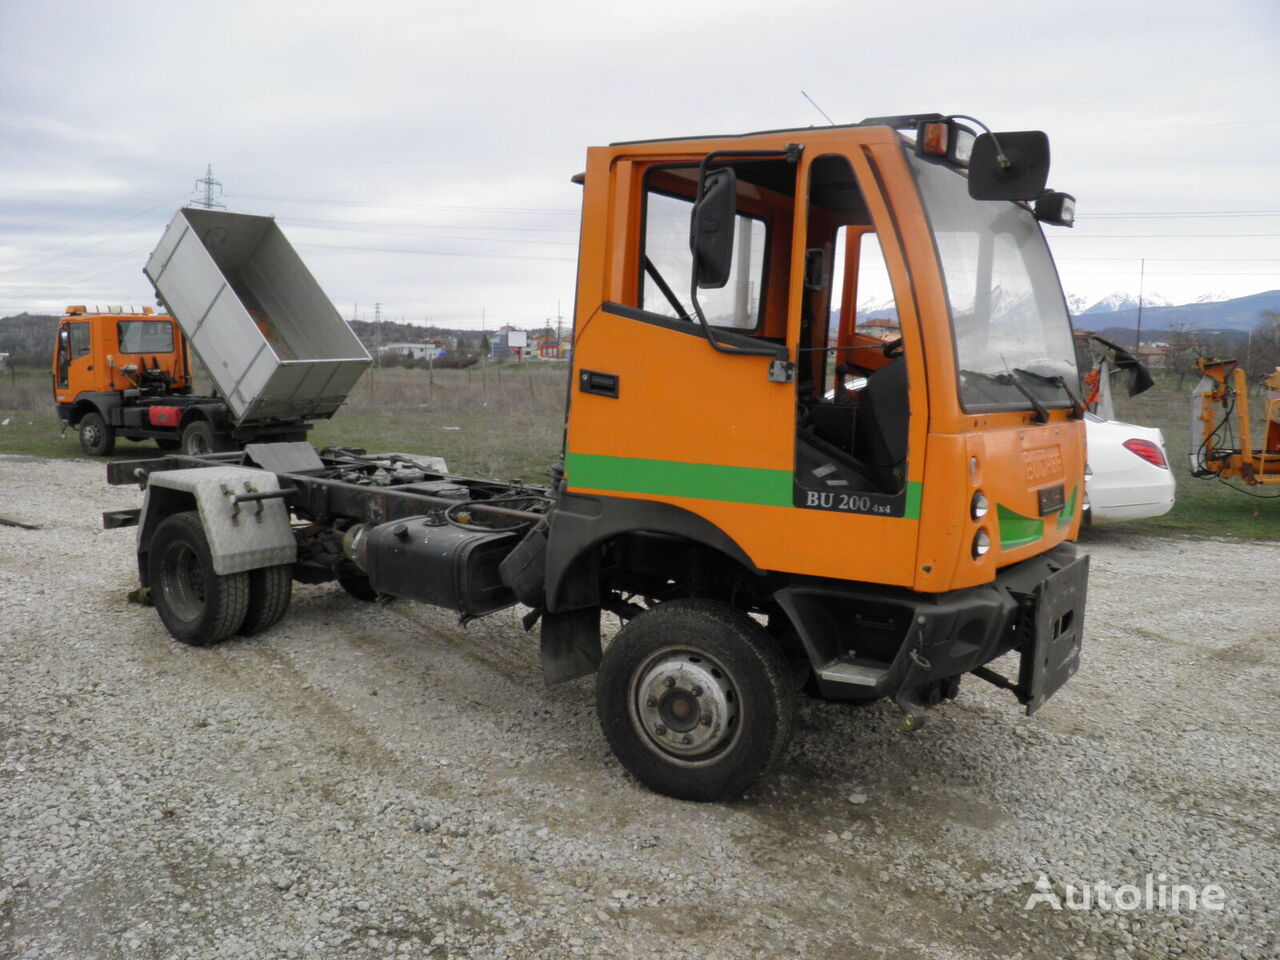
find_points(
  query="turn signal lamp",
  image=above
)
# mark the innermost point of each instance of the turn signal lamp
(945, 138)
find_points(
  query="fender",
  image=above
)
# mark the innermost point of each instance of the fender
(242, 536)
(580, 524)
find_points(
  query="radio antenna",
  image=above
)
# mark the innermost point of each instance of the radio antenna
(818, 108)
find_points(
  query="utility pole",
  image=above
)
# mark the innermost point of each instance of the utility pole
(208, 201)
(377, 330)
(1137, 335)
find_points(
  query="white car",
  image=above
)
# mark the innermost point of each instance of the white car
(1128, 475)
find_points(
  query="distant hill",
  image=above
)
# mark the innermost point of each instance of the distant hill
(28, 337)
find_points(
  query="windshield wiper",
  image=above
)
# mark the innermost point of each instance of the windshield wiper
(1041, 410)
(1058, 380)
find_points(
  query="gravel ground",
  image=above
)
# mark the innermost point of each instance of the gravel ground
(376, 781)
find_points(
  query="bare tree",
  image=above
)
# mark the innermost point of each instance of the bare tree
(1186, 345)
(1264, 345)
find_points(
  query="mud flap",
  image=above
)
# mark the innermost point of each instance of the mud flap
(570, 644)
(1052, 655)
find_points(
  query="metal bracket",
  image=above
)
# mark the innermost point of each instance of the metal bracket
(782, 371)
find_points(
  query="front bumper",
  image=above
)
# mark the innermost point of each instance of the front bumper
(868, 642)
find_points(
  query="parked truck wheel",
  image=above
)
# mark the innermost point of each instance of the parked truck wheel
(695, 699)
(97, 439)
(197, 438)
(197, 605)
(270, 589)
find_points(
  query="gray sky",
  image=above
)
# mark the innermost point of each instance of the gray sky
(419, 154)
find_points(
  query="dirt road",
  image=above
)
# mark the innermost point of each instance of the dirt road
(375, 781)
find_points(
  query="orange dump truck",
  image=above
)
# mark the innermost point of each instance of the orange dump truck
(773, 500)
(239, 299)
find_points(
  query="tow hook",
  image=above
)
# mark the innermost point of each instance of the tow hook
(913, 716)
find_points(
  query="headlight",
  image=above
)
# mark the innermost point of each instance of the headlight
(978, 506)
(981, 544)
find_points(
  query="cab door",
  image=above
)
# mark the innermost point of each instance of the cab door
(663, 407)
(73, 364)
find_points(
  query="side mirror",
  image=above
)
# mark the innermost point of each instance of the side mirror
(711, 227)
(1009, 166)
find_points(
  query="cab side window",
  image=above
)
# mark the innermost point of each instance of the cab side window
(78, 337)
(667, 263)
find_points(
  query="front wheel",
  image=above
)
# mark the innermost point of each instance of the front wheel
(695, 699)
(197, 605)
(96, 438)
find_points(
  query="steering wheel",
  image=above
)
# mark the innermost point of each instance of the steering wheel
(893, 349)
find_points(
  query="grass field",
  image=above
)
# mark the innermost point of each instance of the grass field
(505, 421)
(501, 420)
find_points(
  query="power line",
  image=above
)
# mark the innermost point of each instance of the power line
(1177, 214)
(413, 206)
(433, 253)
(426, 236)
(433, 226)
(85, 236)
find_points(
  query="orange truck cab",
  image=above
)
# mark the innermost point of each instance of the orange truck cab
(118, 373)
(890, 491)
(114, 371)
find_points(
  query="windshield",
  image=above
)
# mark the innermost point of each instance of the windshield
(146, 336)
(1012, 333)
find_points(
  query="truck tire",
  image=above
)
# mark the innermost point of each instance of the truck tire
(695, 699)
(197, 438)
(96, 438)
(197, 606)
(270, 589)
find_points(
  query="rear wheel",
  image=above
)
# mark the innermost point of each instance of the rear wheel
(270, 589)
(197, 438)
(695, 699)
(96, 438)
(197, 605)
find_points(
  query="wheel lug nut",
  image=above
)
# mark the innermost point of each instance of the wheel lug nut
(705, 719)
(660, 730)
(696, 691)
(651, 701)
(669, 682)
(686, 740)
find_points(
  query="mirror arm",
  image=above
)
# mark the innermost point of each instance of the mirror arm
(777, 351)
(791, 154)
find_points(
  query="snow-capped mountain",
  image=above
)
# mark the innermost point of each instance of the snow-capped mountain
(1076, 304)
(1116, 302)
(1218, 297)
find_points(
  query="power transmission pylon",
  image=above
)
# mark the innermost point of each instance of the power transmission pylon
(208, 201)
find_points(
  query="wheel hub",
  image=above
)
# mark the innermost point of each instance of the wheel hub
(685, 704)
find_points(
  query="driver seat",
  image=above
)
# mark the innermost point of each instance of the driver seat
(883, 417)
